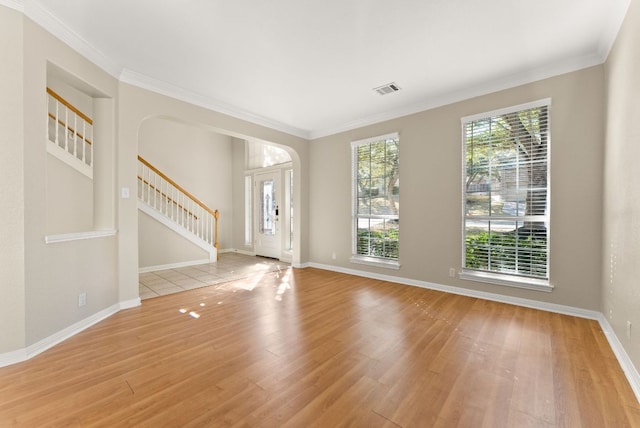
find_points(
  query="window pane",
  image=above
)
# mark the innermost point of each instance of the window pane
(506, 160)
(376, 191)
(262, 155)
(267, 207)
(248, 239)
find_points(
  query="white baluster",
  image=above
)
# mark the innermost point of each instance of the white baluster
(66, 129)
(75, 135)
(91, 146)
(148, 201)
(84, 141)
(155, 191)
(56, 124)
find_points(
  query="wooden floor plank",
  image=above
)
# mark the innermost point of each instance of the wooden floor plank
(306, 347)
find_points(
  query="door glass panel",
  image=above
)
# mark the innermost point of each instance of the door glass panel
(267, 207)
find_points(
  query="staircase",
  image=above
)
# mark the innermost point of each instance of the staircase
(70, 134)
(167, 202)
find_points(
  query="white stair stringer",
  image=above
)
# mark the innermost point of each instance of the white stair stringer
(182, 231)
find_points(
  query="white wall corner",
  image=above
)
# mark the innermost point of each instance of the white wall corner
(628, 368)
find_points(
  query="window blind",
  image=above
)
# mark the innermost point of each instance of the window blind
(376, 184)
(506, 192)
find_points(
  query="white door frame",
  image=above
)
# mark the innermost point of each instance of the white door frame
(267, 228)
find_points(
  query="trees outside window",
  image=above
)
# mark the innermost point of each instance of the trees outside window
(376, 204)
(506, 192)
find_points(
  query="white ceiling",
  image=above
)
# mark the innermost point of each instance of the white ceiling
(309, 67)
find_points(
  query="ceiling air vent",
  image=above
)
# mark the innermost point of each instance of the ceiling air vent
(387, 89)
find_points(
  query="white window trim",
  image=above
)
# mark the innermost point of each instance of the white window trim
(506, 279)
(526, 106)
(375, 261)
(248, 210)
(357, 258)
(497, 278)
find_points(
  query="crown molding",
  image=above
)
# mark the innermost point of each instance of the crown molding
(158, 86)
(13, 4)
(59, 29)
(494, 85)
(41, 16)
(44, 18)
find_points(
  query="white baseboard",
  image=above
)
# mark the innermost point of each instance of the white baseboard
(244, 252)
(39, 347)
(13, 357)
(625, 362)
(628, 368)
(173, 265)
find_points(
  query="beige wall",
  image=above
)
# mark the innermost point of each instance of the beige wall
(69, 198)
(137, 105)
(430, 192)
(621, 243)
(39, 283)
(69, 192)
(200, 161)
(12, 183)
(56, 273)
(238, 196)
(159, 246)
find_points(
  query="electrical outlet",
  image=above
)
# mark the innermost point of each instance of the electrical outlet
(82, 299)
(628, 329)
(452, 272)
(333, 255)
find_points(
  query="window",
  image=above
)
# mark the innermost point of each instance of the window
(248, 210)
(376, 205)
(506, 196)
(264, 155)
(288, 189)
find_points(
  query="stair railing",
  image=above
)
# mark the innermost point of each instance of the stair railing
(163, 194)
(71, 133)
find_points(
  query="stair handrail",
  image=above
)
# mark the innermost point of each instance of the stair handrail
(176, 185)
(71, 132)
(70, 106)
(204, 232)
(167, 197)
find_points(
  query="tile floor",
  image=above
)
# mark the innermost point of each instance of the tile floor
(230, 267)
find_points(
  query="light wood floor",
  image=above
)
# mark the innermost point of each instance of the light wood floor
(307, 347)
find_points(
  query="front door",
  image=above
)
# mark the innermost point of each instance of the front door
(268, 195)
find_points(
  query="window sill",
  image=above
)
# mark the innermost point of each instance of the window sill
(508, 280)
(374, 261)
(67, 237)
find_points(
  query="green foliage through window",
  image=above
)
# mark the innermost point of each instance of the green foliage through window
(506, 205)
(376, 188)
(508, 252)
